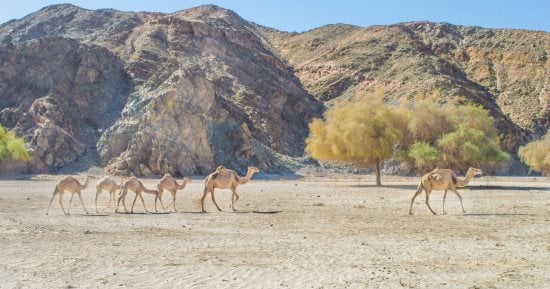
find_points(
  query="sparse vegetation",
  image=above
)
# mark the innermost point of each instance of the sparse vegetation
(366, 131)
(536, 154)
(12, 147)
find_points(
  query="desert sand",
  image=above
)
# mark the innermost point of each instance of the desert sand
(304, 233)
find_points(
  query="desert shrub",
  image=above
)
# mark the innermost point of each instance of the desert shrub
(12, 147)
(536, 154)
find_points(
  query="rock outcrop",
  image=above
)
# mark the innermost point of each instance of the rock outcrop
(149, 93)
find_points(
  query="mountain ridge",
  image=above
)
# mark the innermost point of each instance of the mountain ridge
(237, 93)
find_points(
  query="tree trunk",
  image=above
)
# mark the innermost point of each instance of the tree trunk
(378, 173)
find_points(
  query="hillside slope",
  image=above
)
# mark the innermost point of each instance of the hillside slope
(149, 93)
(507, 71)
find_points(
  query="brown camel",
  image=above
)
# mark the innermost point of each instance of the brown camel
(223, 178)
(136, 186)
(167, 182)
(443, 179)
(110, 186)
(72, 185)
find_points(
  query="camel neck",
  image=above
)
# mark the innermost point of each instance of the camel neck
(86, 183)
(245, 179)
(182, 185)
(463, 182)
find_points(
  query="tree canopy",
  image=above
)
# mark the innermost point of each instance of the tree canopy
(455, 136)
(365, 131)
(362, 132)
(536, 154)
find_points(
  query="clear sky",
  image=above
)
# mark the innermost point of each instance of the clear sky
(301, 15)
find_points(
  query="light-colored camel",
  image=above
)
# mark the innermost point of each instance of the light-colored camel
(72, 185)
(110, 186)
(167, 182)
(443, 179)
(223, 178)
(136, 186)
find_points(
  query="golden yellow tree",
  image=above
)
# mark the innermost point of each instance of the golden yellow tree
(362, 132)
(536, 154)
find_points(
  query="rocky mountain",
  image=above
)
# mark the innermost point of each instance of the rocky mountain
(506, 71)
(150, 93)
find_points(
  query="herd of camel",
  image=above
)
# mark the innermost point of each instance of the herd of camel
(222, 178)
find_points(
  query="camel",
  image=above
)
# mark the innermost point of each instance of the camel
(224, 178)
(72, 185)
(443, 179)
(110, 186)
(136, 186)
(167, 182)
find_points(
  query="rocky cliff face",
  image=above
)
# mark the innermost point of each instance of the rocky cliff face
(148, 93)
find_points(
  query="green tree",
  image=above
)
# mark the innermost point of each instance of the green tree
(453, 136)
(362, 132)
(12, 147)
(536, 154)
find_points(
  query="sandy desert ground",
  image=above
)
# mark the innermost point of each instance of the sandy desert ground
(304, 233)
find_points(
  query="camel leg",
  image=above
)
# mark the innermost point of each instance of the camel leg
(143, 202)
(133, 203)
(124, 202)
(61, 204)
(214, 200)
(234, 198)
(202, 199)
(96, 195)
(428, 202)
(82, 203)
(444, 197)
(174, 201)
(70, 202)
(161, 203)
(111, 197)
(460, 198)
(50, 203)
(412, 201)
(121, 198)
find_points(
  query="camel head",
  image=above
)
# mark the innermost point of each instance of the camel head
(253, 170)
(474, 171)
(186, 180)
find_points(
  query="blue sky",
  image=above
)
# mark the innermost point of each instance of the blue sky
(301, 15)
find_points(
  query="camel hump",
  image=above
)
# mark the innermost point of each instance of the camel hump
(221, 169)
